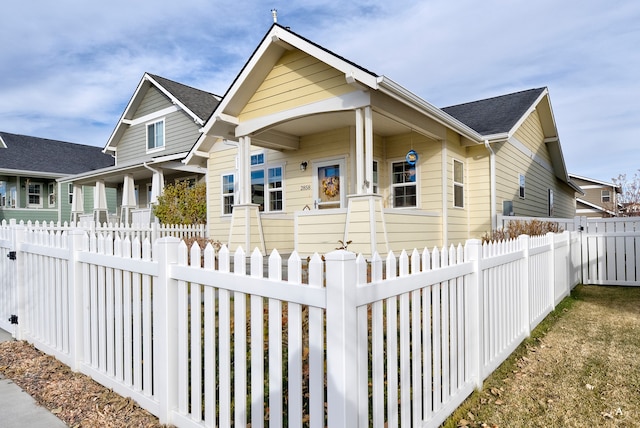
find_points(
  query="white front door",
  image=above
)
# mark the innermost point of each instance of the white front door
(329, 181)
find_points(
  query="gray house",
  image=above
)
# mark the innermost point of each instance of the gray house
(30, 170)
(157, 130)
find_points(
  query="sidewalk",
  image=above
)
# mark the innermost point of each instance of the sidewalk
(18, 409)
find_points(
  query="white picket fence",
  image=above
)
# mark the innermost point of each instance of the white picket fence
(206, 339)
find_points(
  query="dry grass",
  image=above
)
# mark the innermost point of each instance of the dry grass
(579, 368)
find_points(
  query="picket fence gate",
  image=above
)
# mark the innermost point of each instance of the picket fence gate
(211, 339)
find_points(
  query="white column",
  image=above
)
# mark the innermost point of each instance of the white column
(244, 170)
(368, 150)
(360, 174)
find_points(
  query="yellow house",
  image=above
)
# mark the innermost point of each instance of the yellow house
(309, 151)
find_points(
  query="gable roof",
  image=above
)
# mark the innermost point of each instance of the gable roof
(495, 115)
(41, 155)
(196, 103)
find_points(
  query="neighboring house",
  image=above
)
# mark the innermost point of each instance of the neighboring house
(600, 198)
(307, 149)
(159, 126)
(30, 168)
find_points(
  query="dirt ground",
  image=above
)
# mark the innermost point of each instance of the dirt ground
(579, 368)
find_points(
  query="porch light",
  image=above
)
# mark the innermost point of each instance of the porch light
(303, 166)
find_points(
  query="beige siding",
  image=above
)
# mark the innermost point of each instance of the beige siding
(320, 231)
(296, 79)
(278, 233)
(181, 132)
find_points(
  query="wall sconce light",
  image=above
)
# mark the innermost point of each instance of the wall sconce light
(303, 166)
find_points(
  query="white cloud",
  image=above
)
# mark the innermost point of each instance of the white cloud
(69, 67)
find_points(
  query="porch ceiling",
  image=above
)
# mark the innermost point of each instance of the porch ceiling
(308, 125)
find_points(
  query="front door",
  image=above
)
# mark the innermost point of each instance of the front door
(328, 184)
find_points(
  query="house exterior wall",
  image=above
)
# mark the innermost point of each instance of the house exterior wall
(181, 132)
(593, 194)
(478, 194)
(526, 153)
(296, 79)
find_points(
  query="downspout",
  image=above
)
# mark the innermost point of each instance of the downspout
(492, 178)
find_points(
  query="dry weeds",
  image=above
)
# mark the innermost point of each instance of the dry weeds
(580, 368)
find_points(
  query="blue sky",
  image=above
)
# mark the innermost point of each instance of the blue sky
(68, 68)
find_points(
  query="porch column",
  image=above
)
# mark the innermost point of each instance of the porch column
(128, 199)
(77, 203)
(157, 185)
(246, 225)
(100, 213)
(360, 152)
(368, 149)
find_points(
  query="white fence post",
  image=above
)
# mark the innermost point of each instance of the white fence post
(552, 269)
(76, 299)
(342, 364)
(17, 235)
(165, 342)
(472, 253)
(524, 241)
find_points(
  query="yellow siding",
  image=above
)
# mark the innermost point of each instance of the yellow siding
(320, 232)
(479, 191)
(458, 218)
(532, 136)
(297, 79)
(278, 233)
(407, 231)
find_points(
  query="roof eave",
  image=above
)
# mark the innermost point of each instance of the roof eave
(391, 88)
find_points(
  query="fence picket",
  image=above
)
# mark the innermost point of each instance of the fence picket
(424, 347)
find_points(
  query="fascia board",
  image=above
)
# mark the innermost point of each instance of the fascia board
(175, 100)
(29, 173)
(530, 110)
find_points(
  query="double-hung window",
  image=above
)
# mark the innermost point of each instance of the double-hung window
(606, 196)
(403, 185)
(266, 184)
(52, 195)
(34, 195)
(155, 135)
(458, 184)
(228, 191)
(3, 194)
(521, 187)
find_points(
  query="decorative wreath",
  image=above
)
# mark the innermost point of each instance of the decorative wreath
(331, 186)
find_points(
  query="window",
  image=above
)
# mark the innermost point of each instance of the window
(458, 184)
(606, 196)
(149, 194)
(34, 195)
(522, 186)
(3, 194)
(155, 135)
(70, 192)
(228, 190)
(550, 202)
(375, 176)
(403, 184)
(52, 195)
(275, 189)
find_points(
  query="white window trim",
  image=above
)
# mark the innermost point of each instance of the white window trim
(608, 196)
(41, 195)
(550, 202)
(268, 191)
(164, 135)
(223, 195)
(522, 186)
(392, 185)
(458, 184)
(51, 191)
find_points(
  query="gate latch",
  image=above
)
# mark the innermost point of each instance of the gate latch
(12, 255)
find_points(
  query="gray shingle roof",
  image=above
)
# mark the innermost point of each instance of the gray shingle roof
(495, 115)
(26, 153)
(201, 103)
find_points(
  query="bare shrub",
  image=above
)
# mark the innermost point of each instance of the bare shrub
(516, 228)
